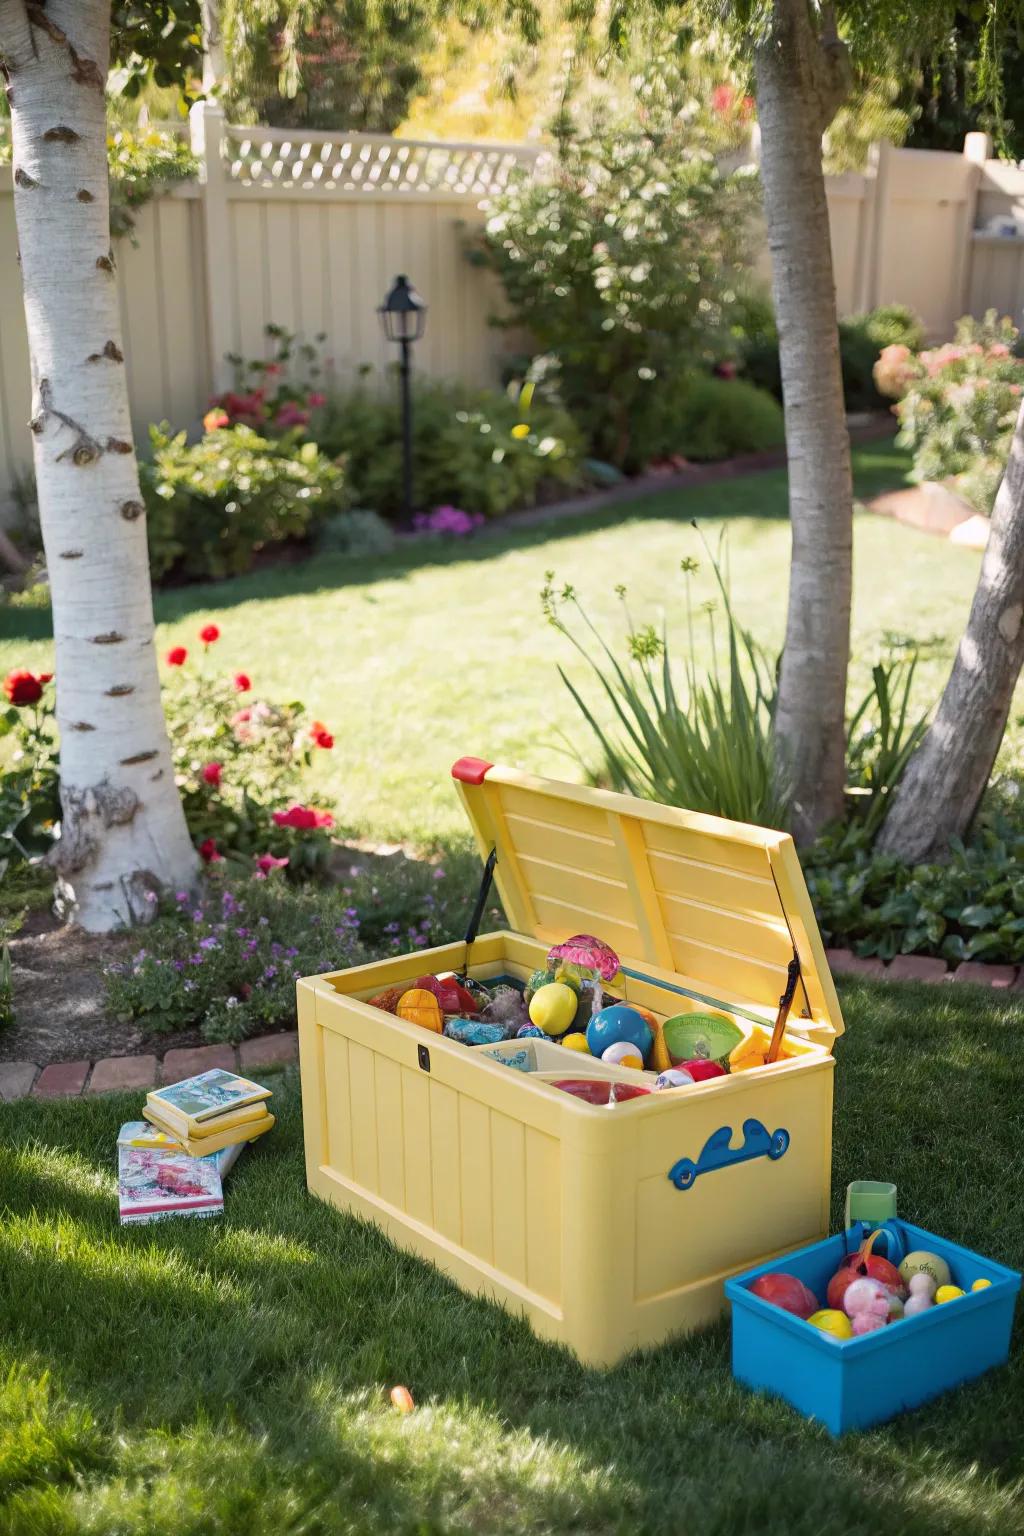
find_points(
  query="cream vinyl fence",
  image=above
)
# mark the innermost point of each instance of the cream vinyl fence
(308, 231)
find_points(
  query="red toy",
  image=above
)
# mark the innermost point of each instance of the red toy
(787, 1292)
(700, 1069)
(856, 1265)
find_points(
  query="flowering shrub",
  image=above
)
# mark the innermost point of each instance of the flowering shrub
(450, 520)
(619, 256)
(958, 403)
(229, 958)
(29, 788)
(238, 762)
(213, 504)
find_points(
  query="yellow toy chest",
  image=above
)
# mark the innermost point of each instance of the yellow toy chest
(610, 1227)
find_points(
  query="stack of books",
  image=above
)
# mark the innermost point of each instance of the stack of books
(174, 1162)
(207, 1113)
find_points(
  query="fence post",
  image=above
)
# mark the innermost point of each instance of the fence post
(207, 129)
(977, 149)
(878, 210)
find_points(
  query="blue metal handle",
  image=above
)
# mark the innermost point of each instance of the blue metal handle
(718, 1152)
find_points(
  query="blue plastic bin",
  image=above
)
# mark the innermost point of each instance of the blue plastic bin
(854, 1383)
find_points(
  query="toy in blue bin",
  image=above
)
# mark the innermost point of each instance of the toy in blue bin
(852, 1383)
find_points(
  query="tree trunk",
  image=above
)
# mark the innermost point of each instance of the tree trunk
(798, 89)
(123, 830)
(946, 777)
(214, 59)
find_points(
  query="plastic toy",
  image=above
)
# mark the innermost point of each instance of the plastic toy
(675, 1077)
(598, 1090)
(866, 1304)
(922, 1294)
(828, 1320)
(553, 1007)
(705, 1036)
(718, 1152)
(864, 1263)
(980, 1285)
(590, 1000)
(623, 1053)
(701, 1071)
(947, 1293)
(619, 1022)
(576, 1042)
(417, 1006)
(752, 1050)
(389, 999)
(401, 1398)
(787, 1292)
(527, 1030)
(473, 1032)
(872, 1201)
(452, 997)
(921, 1262)
(590, 954)
(541, 978)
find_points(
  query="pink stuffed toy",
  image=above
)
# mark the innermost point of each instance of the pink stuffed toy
(866, 1303)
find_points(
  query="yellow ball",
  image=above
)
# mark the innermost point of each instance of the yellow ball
(578, 1042)
(553, 1008)
(981, 1285)
(833, 1322)
(947, 1293)
(623, 1053)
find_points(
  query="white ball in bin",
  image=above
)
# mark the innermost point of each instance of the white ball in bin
(623, 1054)
(675, 1077)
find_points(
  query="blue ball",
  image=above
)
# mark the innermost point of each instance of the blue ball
(528, 1031)
(619, 1022)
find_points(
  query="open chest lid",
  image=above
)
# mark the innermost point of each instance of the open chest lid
(716, 907)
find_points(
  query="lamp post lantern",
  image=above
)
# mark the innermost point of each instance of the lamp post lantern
(403, 315)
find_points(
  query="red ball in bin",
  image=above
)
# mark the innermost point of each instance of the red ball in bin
(700, 1069)
(787, 1292)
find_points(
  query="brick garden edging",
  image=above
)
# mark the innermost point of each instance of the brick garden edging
(115, 1074)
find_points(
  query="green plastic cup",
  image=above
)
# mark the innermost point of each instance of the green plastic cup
(870, 1200)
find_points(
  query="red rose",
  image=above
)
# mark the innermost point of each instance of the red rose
(176, 657)
(209, 633)
(212, 773)
(266, 863)
(242, 682)
(321, 736)
(208, 852)
(303, 817)
(23, 687)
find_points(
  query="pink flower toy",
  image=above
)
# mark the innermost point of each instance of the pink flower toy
(866, 1303)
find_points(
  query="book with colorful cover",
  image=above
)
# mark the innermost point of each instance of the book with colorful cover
(199, 1130)
(154, 1183)
(205, 1145)
(207, 1096)
(139, 1133)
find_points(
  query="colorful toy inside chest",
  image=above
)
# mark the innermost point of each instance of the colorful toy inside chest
(849, 1379)
(516, 1165)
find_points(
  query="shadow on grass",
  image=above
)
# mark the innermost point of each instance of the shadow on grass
(878, 466)
(285, 1324)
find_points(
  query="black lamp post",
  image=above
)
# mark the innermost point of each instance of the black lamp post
(403, 315)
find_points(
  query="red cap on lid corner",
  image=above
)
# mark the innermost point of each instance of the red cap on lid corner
(471, 770)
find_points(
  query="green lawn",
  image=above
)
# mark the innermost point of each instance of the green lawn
(414, 663)
(192, 1380)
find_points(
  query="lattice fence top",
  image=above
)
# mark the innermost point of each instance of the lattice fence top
(369, 164)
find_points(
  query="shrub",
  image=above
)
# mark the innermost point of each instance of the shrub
(360, 534)
(619, 256)
(229, 958)
(721, 417)
(478, 449)
(213, 504)
(710, 748)
(238, 763)
(958, 403)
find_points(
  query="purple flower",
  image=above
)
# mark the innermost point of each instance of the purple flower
(290, 953)
(447, 520)
(209, 943)
(181, 897)
(270, 973)
(241, 933)
(439, 873)
(196, 959)
(179, 965)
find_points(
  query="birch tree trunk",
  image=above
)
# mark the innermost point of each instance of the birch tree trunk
(947, 775)
(123, 829)
(801, 78)
(214, 58)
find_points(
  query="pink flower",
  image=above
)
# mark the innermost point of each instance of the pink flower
(212, 774)
(177, 656)
(209, 633)
(321, 736)
(315, 399)
(303, 818)
(266, 863)
(291, 415)
(272, 368)
(215, 419)
(208, 852)
(242, 682)
(722, 98)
